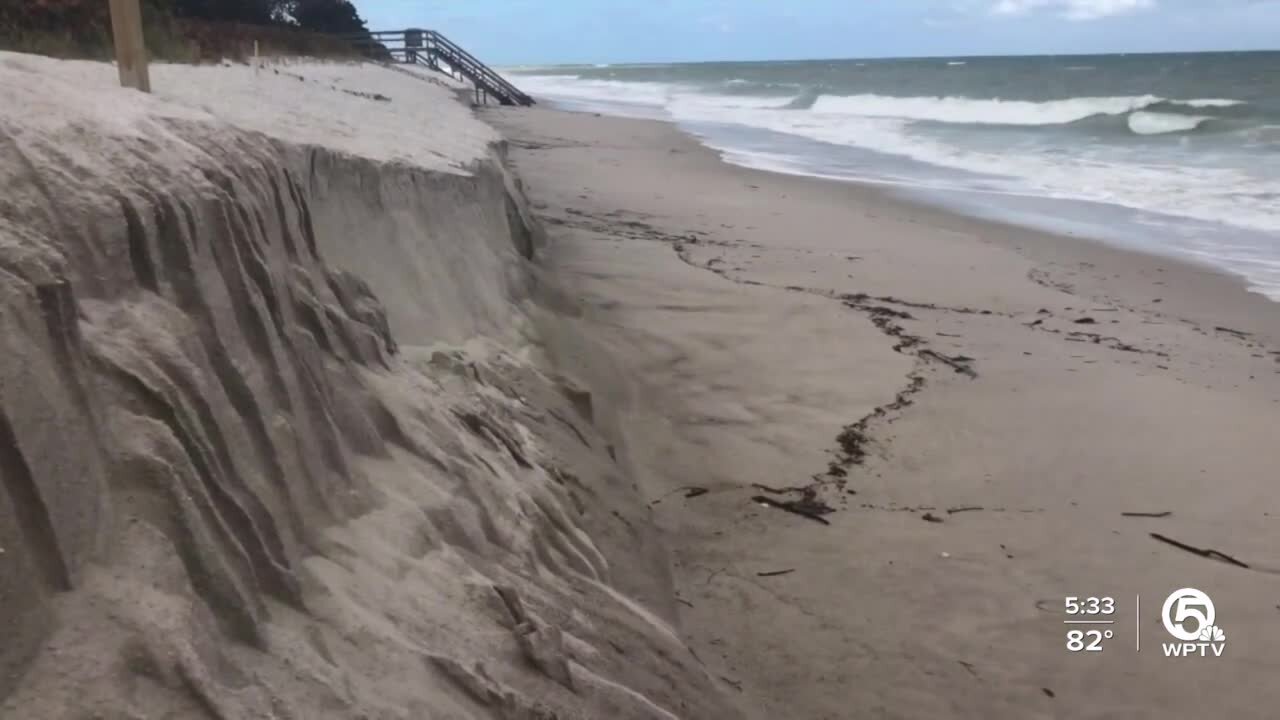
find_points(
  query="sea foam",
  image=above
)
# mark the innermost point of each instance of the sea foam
(982, 111)
(1154, 123)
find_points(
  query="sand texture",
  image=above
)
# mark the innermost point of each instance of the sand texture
(277, 438)
(884, 442)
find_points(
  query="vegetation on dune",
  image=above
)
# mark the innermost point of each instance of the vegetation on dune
(184, 30)
(321, 16)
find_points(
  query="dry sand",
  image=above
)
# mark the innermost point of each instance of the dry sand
(741, 321)
(276, 440)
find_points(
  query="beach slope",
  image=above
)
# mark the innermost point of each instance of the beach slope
(885, 443)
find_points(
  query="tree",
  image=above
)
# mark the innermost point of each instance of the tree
(253, 12)
(55, 27)
(327, 16)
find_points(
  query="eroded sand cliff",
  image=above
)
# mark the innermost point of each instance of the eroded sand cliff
(276, 434)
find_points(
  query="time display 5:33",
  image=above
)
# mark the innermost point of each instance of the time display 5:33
(1090, 605)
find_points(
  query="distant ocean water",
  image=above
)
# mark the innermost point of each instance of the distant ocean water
(1178, 153)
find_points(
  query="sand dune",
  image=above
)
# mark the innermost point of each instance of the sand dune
(277, 438)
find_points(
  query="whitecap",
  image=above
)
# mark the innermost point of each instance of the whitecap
(1209, 103)
(891, 126)
(1153, 123)
(982, 111)
(574, 87)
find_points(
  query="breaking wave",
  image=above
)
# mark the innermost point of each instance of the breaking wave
(1211, 103)
(1154, 123)
(805, 100)
(947, 110)
(1099, 148)
(1142, 115)
(1131, 133)
(971, 111)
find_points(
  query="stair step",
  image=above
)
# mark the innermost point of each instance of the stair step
(428, 47)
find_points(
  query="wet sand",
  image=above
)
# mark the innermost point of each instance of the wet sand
(884, 442)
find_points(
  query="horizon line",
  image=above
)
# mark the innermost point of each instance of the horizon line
(889, 57)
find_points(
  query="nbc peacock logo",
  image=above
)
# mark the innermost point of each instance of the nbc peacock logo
(1190, 616)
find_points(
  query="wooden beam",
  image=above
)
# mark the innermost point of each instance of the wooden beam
(131, 50)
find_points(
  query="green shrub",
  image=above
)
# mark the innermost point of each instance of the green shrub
(182, 30)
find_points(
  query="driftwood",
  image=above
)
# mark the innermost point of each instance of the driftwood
(779, 490)
(1202, 552)
(775, 573)
(795, 508)
(689, 491)
(1238, 333)
(1164, 514)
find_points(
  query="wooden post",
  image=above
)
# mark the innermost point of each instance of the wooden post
(131, 51)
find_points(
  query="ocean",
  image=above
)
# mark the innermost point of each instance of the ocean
(1176, 154)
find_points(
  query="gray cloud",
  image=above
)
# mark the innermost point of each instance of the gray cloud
(1073, 9)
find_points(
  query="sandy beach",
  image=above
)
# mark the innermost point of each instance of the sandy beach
(330, 400)
(978, 406)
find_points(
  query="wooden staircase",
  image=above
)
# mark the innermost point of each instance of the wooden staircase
(430, 48)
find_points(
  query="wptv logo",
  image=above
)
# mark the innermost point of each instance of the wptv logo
(1189, 616)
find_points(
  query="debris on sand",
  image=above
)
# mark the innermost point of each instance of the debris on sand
(688, 492)
(1230, 331)
(806, 507)
(962, 364)
(780, 490)
(1202, 552)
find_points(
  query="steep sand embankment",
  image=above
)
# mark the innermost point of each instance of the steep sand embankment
(274, 436)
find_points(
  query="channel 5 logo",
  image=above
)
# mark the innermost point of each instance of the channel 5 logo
(1189, 615)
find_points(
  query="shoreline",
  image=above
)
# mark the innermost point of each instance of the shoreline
(1220, 297)
(746, 322)
(1226, 295)
(1114, 224)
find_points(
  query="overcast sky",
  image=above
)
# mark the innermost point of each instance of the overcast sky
(599, 31)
